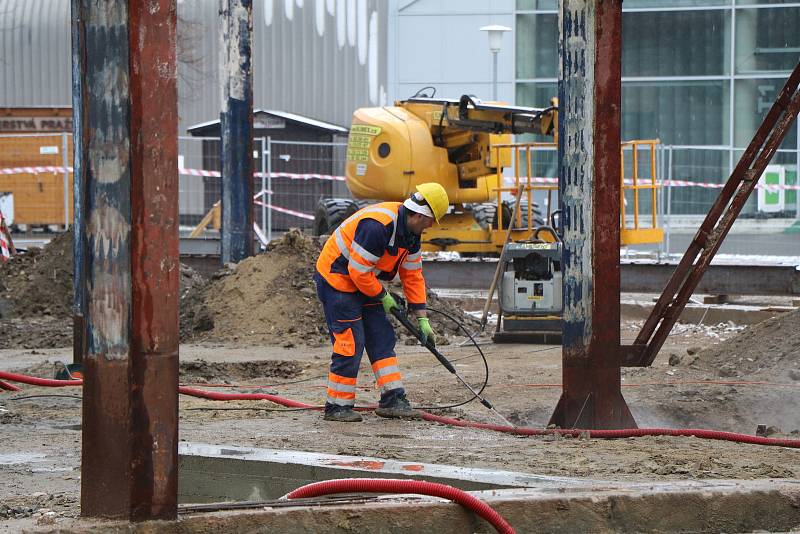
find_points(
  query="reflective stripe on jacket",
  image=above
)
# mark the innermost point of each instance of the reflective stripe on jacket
(348, 266)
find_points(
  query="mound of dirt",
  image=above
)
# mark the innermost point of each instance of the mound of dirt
(194, 316)
(768, 349)
(35, 333)
(39, 282)
(268, 298)
(203, 371)
(36, 297)
(271, 298)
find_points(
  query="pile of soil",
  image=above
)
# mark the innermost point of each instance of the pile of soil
(32, 333)
(194, 316)
(36, 297)
(204, 371)
(754, 374)
(768, 349)
(271, 299)
(39, 282)
(268, 298)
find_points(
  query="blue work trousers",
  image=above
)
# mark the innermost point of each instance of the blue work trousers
(357, 322)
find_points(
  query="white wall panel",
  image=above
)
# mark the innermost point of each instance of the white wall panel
(443, 7)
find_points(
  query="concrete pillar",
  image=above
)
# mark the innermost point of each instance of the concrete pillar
(589, 182)
(236, 122)
(129, 138)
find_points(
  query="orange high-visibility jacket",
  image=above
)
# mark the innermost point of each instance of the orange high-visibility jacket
(350, 266)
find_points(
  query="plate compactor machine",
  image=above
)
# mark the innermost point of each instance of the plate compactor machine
(529, 293)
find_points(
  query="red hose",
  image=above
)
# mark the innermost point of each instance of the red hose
(526, 431)
(624, 433)
(33, 381)
(214, 395)
(8, 387)
(390, 485)
(523, 431)
(283, 401)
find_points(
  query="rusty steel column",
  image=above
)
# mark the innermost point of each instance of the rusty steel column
(236, 124)
(78, 189)
(589, 183)
(129, 466)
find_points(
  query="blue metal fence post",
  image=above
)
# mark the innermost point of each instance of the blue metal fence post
(236, 123)
(590, 189)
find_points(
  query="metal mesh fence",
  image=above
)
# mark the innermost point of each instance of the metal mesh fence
(695, 176)
(291, 177)
(301, 174)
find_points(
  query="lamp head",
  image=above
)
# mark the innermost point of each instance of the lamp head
(495, 33)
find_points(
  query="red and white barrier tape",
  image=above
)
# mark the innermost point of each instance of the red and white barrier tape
(5, 251)
(284, 210)
(35, 170)
(290, 175)
(331, 177)
(663, 183)
(185, 172)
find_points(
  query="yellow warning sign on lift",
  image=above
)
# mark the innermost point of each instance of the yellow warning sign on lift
(359, 140)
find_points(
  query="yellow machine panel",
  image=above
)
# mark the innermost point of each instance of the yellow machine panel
(391, 150)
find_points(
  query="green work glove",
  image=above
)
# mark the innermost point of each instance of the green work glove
(426, 330)
(388, 302)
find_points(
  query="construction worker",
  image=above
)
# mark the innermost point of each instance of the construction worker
(374, 244)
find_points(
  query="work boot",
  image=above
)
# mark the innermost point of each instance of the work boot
(398, 408)
(342, 414)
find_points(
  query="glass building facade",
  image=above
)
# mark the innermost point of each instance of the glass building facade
(698, 75)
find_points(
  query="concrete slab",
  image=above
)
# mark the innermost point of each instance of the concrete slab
(215, 473)
(682, 506)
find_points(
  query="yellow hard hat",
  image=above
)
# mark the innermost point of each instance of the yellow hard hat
(436, 197)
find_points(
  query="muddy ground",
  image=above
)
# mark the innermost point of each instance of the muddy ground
(257, 327)
(688, 386)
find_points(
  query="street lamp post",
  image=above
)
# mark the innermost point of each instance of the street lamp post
(495, 33)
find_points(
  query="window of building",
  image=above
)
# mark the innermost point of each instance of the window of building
(700, 80)
(537, 46)
(656, 43)
(523, 5)
(677, 112)
(753, 99)
(767, 39)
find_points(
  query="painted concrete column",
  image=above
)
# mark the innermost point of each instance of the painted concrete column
(236, 122)
(589, 183)
(129, 125)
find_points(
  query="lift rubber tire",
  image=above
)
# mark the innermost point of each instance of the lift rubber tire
(508, 209)
(485, 214)
(331, 212)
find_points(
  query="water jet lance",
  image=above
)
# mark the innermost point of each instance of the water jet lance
(401, 314)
